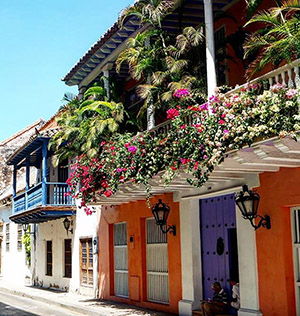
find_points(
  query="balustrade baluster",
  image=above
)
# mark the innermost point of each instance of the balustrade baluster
(271, 81)
(290, 81)
(297, 77)
(277, 78)
(283, 78)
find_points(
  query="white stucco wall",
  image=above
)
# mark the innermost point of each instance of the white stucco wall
(86, 226)
(83, 227)
(14, 267)
(52, 230)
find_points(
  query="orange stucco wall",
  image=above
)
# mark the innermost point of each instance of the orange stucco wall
(237, 17)
(135, 214)
(278, 192)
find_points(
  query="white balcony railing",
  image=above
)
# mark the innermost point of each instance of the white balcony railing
(288, 75)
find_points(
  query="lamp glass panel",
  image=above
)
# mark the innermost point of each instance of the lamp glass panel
(67, 224)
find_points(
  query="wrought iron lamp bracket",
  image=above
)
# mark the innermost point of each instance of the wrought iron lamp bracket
(170, 229)
(265, 221)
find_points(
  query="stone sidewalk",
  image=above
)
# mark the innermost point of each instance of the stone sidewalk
(79, 304)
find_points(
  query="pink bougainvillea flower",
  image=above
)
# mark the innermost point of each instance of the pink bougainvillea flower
(226, 131)
(119, 170)
(276, 88)
(204, 107)
(132, 149)
(108, 193)
(221, 122)
(172, 114)
(291, 93)
(181, 93)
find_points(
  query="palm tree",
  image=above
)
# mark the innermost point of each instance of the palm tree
(84, 124)
(162, 61)
(278, 40)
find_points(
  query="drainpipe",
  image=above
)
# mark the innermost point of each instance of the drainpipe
(33, 253)
(210, 48)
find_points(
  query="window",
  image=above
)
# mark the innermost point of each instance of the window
(120, 260)
(7, 234)
(19, 241)
(86, 262)
(49, 257)
(68, 258)
(157, 263)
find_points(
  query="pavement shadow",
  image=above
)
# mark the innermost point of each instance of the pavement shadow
(8, 310)
(123, 306)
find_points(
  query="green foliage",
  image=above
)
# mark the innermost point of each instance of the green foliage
(278, 40)
(26, 241)
(85, 123)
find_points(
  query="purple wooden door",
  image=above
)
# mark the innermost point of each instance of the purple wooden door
(218, 242)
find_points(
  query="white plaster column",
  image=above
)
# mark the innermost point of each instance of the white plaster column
(247, 267)
(150, 111)
(191, 269)
(210, 48)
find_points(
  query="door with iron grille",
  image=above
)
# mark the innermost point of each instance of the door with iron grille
(218, 242)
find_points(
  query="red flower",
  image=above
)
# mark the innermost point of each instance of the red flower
(172, 114)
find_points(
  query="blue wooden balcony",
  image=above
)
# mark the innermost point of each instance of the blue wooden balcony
(46, 200)
(55, 195)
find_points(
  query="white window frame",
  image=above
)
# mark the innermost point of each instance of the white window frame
(160, 248)
(296, 253)
(124, 270)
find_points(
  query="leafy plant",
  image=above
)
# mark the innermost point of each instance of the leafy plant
(85, 123)
(26, 241)
(277, 40)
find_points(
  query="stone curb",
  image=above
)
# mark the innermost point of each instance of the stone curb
(73, 308)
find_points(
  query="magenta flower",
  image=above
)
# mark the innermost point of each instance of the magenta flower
(226, 131)
(181, 93)
(132, 149)
(119, 170)
(204, 107)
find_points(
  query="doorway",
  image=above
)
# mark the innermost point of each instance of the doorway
(218, 242)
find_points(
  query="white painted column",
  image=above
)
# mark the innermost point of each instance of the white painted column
(210, 48)
(150, 112)
(190, 257)
(247, 267)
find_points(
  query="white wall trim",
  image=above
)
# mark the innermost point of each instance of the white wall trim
(190, 257)
(247, 267)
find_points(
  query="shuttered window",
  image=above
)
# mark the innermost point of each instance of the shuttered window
(120, 260)
(68, 258)
(7, 236)
(296, 242)
(86, 262)
(157, 263)
(20, 233)
(49, 256)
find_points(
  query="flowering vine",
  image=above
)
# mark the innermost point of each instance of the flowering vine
(197, 140)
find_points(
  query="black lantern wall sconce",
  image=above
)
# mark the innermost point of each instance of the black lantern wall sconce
(67, 224)
(161, 212)
(25, 227)
(248, 202)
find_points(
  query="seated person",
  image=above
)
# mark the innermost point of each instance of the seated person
(235, 293)
(218, 304)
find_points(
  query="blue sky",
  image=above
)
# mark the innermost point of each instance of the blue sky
(40, 41)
